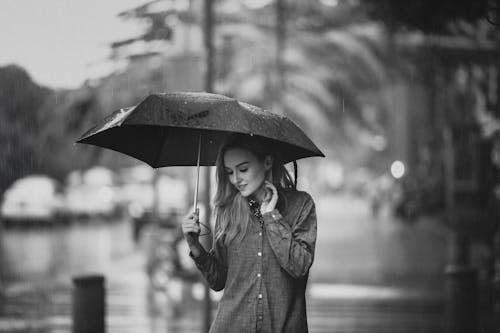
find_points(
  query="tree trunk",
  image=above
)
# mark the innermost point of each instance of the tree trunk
(280, 48)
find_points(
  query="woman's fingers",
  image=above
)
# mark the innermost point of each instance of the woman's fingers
(193, 216)
(272, 187)
(273, 191)
(269, 194)
(190, 224)
(270, 199)
(191, 229)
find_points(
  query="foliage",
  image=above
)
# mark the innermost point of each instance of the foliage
(159, 18)
(22, 125)
(429, 16)
(38, 127)
(332, 58)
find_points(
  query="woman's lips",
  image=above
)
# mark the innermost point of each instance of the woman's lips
(241, 187)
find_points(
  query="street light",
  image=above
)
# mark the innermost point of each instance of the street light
(397, 169)
(256, 4)
(330, 3)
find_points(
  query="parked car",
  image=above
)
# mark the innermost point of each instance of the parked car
(35, 198)
(90, 193)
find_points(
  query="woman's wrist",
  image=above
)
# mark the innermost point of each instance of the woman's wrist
(196, 249)
(273, 214)
(268, 210)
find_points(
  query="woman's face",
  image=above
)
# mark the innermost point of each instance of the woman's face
(244, 170)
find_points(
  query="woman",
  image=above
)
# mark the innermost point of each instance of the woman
(265, 234)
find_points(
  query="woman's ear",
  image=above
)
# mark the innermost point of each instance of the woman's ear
(268, 162)
(269, 175)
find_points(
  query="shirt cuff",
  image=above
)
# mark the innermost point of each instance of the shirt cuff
(201, 258)
(272, 216)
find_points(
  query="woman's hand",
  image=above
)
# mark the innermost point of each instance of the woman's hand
(191, 230)
(271, 198)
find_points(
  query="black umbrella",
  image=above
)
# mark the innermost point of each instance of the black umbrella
(187, 129)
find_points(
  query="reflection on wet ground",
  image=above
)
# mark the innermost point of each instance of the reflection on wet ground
(364, 278)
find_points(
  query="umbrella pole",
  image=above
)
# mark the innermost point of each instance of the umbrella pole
(195, 204)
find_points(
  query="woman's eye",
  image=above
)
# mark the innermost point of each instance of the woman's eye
(243, 170)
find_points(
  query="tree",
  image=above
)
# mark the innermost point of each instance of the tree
(317, 63)
(22, 134)
(328, 63)
(38, 127)
(429, 16)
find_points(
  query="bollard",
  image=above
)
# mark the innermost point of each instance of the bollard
(89, 304)
(461, 292)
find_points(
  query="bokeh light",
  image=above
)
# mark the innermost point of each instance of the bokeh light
(397, 169)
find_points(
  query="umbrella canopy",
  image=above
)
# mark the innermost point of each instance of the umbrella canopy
(170, 129)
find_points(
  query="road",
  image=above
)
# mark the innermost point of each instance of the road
(370, 275)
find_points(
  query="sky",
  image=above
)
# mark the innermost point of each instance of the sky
(62, 42)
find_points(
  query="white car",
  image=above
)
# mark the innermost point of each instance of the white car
(89, 200)
(33, 197)
(90, 193)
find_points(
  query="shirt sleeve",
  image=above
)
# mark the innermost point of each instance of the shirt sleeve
(213, 266)
(293, 242)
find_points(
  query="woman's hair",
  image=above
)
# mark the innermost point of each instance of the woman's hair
(231, 209)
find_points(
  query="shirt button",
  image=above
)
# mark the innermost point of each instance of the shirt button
(260, 295)
(258, 275)
(260, 233)
(260, 317)
(259, 254)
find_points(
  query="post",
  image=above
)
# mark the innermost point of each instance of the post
(461, 299)
(2, 263)
(280, 31)
(461, 281)
(88, 311)
(209, 80)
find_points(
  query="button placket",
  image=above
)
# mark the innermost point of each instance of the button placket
(255, 209)
(260, 311)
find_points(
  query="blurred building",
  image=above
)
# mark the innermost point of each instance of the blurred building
(445, 127)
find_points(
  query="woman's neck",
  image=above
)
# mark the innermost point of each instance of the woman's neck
(259, 194)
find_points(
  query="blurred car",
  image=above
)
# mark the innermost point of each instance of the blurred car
(149, 200)
(90, 193)
(34, 198)
(86, 200)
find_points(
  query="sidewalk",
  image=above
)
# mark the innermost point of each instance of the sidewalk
(48, 308)
(369, 276)
(331, 308)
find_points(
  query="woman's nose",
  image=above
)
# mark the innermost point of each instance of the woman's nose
(232, 179)
(236, 177)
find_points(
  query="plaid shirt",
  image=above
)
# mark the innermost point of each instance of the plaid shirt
(264, 276)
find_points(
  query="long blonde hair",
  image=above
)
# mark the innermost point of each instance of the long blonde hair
(232, 213)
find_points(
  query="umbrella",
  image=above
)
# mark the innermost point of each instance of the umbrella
(187, 129)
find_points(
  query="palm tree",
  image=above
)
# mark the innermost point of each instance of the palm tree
(325, 67)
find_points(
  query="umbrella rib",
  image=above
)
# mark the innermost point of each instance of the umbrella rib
(164, 142)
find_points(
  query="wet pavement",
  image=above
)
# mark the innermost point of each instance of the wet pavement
(369, 275)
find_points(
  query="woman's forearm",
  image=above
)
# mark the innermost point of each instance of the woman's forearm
(210, 265)
(195, 248)
(293, 243)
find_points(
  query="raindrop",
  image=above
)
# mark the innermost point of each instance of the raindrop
(343, 106)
